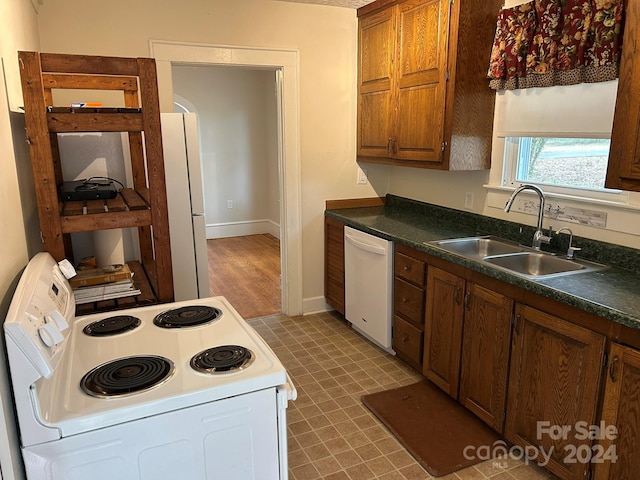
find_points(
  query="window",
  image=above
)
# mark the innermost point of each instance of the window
(574, 166)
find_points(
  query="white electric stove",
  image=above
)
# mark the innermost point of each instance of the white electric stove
(183, 390)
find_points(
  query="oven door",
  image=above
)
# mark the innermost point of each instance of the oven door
(234, 438)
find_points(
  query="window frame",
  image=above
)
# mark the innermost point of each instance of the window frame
(510, 169)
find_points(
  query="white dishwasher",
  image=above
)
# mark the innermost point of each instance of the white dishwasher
(368, 273)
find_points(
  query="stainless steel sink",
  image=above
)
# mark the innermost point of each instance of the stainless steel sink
(539, 264)
(480, 246)
(518, 259)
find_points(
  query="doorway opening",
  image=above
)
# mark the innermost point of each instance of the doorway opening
(285, 65)
(236, 111)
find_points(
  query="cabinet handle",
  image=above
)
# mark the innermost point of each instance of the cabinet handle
(405, 338)
(612, 368)
(516, 324)
(394, 146)
(405, 299)
(389, 145)
(407, 268)
(466, 300)
(458, 292)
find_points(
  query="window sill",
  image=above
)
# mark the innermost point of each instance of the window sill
(587, 212)
(622, 205)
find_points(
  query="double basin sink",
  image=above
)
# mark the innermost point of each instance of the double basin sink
(515, 258)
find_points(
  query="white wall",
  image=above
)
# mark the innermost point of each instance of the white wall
(18, 31)
(325, 38)
(237, 115)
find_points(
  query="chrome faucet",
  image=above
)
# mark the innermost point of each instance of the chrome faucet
(539, 237)
(571, 250)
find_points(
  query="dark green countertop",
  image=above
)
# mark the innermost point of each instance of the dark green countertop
(612, 293)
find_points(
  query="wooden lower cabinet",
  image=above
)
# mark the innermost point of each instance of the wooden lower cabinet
(467, 342)
(486, 343)
(621, 410)
(443, 329)
(334, 263)
(407, 342)
(554, 381)
(525, 372)
(409, 269)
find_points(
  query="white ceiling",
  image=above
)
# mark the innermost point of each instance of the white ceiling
(334, 3)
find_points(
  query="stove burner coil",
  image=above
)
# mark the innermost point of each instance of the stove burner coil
(223, 359)
(126, 376)
(190, 316)
(111, 326)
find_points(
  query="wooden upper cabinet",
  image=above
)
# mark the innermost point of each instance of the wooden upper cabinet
(623, 170)
(421, 76)
(621, 409)
(376, 40)
(423, 95)
(554, 381)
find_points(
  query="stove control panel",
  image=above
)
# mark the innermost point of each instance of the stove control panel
(50, 334)
(39, 315)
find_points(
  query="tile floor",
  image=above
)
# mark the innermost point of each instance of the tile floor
(331, 434)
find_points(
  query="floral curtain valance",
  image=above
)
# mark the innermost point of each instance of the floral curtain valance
(556, 42)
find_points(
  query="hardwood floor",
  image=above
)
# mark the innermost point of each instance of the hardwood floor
(246, 270)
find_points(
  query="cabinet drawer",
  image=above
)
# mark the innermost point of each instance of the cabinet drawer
(408, 301)
(407, 340)
(410, 269)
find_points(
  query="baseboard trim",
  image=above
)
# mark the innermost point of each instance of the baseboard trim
(315, 305)
(239, 229)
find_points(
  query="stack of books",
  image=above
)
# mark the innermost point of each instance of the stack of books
(107, 283)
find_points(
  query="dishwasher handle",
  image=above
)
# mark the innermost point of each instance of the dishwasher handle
(365, 246)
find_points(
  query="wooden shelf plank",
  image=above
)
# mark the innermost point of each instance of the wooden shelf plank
(127, 199)
(96, 65)
(94, 122)
(133, 199)
(105, 221)
(91, 82)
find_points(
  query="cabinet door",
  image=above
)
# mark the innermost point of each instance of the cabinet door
(485, 354)
(334, 263)
(421, 79)
(623, 170)
(621, 409)
(553, 384)
(376, 49)
(443, 329)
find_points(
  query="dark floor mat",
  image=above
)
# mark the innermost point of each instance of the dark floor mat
(432, 426)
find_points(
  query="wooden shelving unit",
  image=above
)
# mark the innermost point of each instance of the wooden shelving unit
(145, 205)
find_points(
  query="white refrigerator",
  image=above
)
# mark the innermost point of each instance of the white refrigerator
(185, 202)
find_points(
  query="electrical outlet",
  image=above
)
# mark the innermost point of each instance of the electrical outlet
(229, 203)
(468, 200)
(362, 176)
